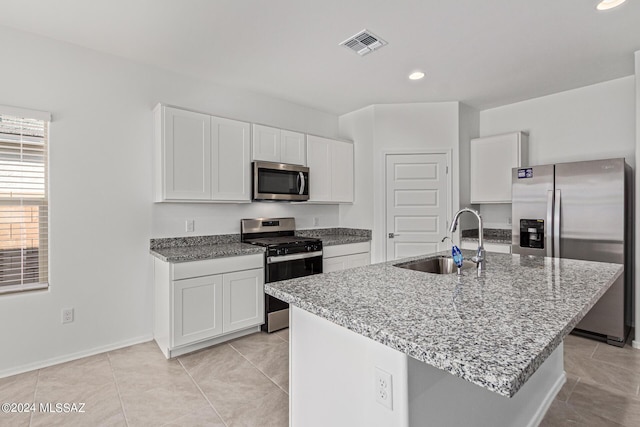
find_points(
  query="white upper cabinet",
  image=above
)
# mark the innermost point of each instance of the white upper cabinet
(231, 173)
(278, 145)
(200, 158)
(266, 143)
(185, 144)
(319, 163)
(330, 165)
(342, 172)
(492, 159)
(292, 148)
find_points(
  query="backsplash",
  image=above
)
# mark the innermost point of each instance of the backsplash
(178, 242)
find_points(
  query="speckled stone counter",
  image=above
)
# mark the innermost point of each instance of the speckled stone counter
(197, 253)
(493, 331)
(491, 235)
(337, 236)
(184, 249)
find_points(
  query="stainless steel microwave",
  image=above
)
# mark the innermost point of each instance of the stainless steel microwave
(280, 182)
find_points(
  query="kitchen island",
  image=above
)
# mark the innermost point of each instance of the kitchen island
(459, 350)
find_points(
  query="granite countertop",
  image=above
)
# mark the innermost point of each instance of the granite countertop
(500, 240)
(491, 235)
(337, 236)
(493, 331)
(340, 239)
(202, 252)
(197, 248)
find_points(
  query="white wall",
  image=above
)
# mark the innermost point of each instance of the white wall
(593, 122)
(358, 126)
(101, 215)
(396, 128)
(469, 128)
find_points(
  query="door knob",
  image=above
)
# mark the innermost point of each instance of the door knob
(391, 235)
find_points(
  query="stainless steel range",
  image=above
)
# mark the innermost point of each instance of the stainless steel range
(287, 256)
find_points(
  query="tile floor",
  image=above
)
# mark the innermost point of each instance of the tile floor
(602, 388)
(241, 383)
(245, 382)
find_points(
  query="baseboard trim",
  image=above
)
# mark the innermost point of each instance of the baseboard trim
(73, 356)
(548, 400)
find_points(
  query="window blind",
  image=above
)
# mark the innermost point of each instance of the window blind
(24, 211)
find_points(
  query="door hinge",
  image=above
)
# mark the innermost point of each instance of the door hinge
(446, 170)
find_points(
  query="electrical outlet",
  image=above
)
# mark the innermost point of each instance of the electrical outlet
(67, 315)
(190, 225)
(509, 220)
(383, 388)
(316, 221)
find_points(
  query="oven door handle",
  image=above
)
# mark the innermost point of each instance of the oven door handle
(284, 258)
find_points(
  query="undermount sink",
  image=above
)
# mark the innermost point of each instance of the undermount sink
(437, 265)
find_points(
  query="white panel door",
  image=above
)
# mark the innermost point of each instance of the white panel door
(266, 143)
(243, 294)
(197, 309)
(292, 148)
(319, 164)
(231, 160)
(416, 203)
(342, 172)
(187, 155)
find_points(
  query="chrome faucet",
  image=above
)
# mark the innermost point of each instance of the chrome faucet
(479, 259)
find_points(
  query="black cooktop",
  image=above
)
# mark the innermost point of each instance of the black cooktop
(280, 240)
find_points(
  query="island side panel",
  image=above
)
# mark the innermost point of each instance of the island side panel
(441, 399)
(332, 376)
(332, 383)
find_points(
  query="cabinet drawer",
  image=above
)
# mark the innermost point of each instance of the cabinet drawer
(208, 267)
(348, 249)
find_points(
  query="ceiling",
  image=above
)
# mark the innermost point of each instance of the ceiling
(483, 53)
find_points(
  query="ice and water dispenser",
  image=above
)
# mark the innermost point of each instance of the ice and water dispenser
(532, 233)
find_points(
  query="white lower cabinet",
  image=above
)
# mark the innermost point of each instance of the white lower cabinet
(243, 299)
(197, 309)
(201, 303)
(342, 257)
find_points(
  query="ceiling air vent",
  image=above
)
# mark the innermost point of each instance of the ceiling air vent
(364, 42)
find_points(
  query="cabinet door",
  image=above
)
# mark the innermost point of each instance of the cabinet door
(266, 143)
(292, 148)
(358, 260)
(243, 293)
(197, 309)
(187, 155)
(492, 159)
(342, 172)
(319, 163)
(231, 160)
(334, 264)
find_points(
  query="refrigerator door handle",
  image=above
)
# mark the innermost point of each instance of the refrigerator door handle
(549, 228)
(556, 225)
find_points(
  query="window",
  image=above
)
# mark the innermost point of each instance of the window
(24, 212)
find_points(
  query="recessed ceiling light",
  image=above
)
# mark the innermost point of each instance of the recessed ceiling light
(609, 4)
(416, 75)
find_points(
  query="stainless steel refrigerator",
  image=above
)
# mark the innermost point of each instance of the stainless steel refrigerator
(581, 211)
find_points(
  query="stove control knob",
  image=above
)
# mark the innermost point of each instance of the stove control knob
(285, 251)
